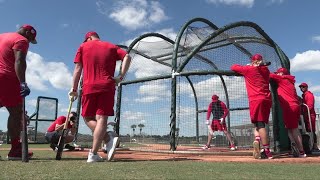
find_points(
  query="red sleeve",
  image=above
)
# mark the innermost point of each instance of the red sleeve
(121, 53)
(21, 45)
(225, 110)
(60, 120)
(78, 58)
(239, 69)
(209, 111)
(309, 100)
(275, 77)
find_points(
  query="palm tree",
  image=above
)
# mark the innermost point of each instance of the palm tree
(133, 126)
(140, 126)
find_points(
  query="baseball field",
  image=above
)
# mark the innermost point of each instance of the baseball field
(146, 165)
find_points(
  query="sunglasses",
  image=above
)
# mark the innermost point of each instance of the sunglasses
(72, 118)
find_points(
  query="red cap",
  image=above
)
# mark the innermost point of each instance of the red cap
(89, 34)
(214, 98)
(283, 70)
(32, 31)
(256, 57)
(303, 85)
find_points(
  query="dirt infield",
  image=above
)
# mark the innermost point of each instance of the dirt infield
(129, 155)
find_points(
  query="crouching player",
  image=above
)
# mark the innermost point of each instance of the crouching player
(55, 131)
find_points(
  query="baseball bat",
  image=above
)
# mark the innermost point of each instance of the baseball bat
(24, 135)
(64, 134)
(265, 63)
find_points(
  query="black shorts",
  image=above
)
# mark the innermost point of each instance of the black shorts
(52, 137)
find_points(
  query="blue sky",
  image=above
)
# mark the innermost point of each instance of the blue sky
(61, 26)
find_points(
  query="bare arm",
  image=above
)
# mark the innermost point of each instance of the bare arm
(59, 127)
(76, 75)
(20, 65)
(124, 68)
(125, 65)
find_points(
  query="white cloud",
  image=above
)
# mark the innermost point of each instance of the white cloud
(40, 73)
(152, 92)
(134, 116)
(314, 89)
(134, 14)
(277, 1)
(245, 3)
(308, 60)
(315, 39)
(64, 25)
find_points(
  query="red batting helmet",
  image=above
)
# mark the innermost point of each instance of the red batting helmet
(303, 85)
(283, 70)
(256, 57)
(214, 98)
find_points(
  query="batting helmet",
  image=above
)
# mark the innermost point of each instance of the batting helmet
(214, 98)
(283, 70)
(256, 57)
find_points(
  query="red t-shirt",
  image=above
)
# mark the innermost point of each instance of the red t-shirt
(8, 43)
(98, 59)
(286, 90)
(60, 120)
(308, 99)
(257, 81)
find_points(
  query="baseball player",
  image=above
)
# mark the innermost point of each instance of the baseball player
(290, 106)
(219, 112)
(256, 75)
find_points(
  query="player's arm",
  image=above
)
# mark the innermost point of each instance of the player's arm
(60, 123)
(309, 100)
(76, 75)
(238, 68)
(208, 114)
(275, 77)
(225, 110)
(225, 113)
(125, 65)
(124, 68)
(20, 65)
(59, 127)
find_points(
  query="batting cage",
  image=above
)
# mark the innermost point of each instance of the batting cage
(162, 102)
(45, 113)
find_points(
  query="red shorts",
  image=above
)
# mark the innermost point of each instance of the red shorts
(216, 126)
(98, 104)
(9, 91)
(260, 110)
(291, 115)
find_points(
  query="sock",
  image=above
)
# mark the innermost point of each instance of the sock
(302, 152)
(257, 138)
(15, 142)
(266, 147)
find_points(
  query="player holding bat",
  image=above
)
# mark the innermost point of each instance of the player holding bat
(14, 48)
(98, 59)
(219, 112)
(256, 76)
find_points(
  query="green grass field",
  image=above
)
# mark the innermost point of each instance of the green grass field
(44, 166)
